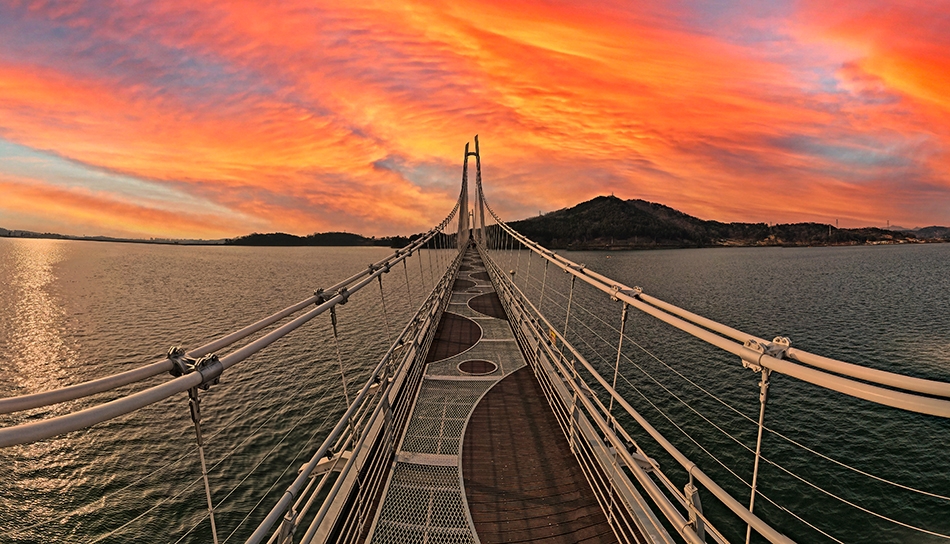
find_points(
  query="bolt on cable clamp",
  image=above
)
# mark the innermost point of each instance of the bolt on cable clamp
(321, 297)
(182, 364)
(345, 294)
(618, 290)
(210, 369)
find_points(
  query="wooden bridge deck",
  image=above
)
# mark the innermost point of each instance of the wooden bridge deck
(520, 481)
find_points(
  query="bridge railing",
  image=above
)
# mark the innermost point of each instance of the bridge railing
(576, 386)
(201, 368)
(336, 492)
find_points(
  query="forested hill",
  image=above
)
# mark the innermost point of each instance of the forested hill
(316, 239)
(607, 222)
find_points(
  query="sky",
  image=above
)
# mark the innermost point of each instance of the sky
(194, 119)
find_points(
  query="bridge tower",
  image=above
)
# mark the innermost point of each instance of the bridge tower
(463, 203)
(479, 201)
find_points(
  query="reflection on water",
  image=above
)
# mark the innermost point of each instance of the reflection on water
(72, 311)
(37, 356)
(883, 307)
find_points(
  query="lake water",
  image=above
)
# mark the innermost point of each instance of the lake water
(886, 307)
(72, 311)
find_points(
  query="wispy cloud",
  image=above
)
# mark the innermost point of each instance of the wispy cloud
(303, 116)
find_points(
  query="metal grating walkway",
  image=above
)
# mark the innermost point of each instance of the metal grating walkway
(441, 411)
(425, 501)
(424, 504)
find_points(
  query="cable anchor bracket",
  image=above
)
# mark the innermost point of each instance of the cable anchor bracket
(777, 348)
(209, 366)
(321, 296)
(618, 290)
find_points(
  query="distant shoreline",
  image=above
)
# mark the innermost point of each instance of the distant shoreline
(604, 223)
(626, 247)
(52, 236)
(606, 247)
(330, 239)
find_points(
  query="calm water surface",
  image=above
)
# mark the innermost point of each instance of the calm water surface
(886, 307)
(72, 311)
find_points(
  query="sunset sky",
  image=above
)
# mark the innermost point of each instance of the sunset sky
(201, 119)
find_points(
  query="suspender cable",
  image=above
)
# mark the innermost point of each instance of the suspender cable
(570, 299)
(431, 271)
(518, 263)
(382, 299)
(527, 273)
(422, 274)
(763, 397)
(623, 325)
(405, 268)
(544, 281)
(194, 403)
(339, 354)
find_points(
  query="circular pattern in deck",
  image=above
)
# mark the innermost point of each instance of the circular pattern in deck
(455, 334)
(488, 304)
(477, 367)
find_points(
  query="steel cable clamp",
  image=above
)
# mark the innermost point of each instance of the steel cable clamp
(182, 364)
(777, 348)
(209, 366)
(618, 290)
(321, 296)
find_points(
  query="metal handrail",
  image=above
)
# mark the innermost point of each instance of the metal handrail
(937, 405)
(107, 383)
(293, 492)
(692, 468)
(39, 430)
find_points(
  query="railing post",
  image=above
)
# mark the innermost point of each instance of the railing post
(478, 188)
(462, 236)
(695, 509)
(573, 417)
(287, 527)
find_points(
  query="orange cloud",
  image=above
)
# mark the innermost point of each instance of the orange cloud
(77, 208)
(307, 116)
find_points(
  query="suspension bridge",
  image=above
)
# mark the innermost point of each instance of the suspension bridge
(504, 409)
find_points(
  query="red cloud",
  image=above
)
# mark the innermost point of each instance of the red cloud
(283, 112)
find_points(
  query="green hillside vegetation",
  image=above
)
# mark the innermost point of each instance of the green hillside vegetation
(316, 239)
(607, 222)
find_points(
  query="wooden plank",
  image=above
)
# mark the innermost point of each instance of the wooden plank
(522, 482)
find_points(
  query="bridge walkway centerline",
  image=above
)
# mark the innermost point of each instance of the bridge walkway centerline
(482, 458)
